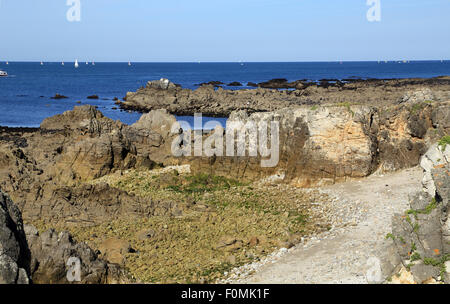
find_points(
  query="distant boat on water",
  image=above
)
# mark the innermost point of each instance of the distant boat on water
(3, 73)
(42, 63)
(76, 63)
(62, 63)
(93, 63)
(129, 63)
(7, 62)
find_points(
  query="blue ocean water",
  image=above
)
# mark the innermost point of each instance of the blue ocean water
(25, 95)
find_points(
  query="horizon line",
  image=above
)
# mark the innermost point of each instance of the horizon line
(197, 62)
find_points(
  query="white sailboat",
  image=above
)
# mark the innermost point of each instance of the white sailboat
(62, 63)
(87, 63)
(42, 63)
(7, 62)
(76, 63)
(93, 63)
(129, 63)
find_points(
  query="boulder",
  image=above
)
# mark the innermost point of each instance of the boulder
(58, 259)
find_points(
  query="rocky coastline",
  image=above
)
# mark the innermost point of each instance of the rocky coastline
(211, 99)
(87, 174)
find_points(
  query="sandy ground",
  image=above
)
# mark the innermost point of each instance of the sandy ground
(342, 255)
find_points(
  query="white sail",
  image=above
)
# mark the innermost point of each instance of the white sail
(76, 63)
(62, 63)
(7, 62)
(129, 63)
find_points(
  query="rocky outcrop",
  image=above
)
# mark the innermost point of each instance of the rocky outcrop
(327, 144)
(58, 259)
(46, 174)
(422, 234)
(318, 145)
(27, 257)
(46, 171)
(212, 101)
(14, 252)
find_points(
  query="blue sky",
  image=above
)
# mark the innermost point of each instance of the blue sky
(232, 30)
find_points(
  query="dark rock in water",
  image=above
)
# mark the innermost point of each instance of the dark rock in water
(58, 96)
(235, 84)
(328, 79)
(14, 252)
(252, 84)
(213, 83)
(277, 83)
(93, 97)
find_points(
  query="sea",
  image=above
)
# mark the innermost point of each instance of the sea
(25, 94)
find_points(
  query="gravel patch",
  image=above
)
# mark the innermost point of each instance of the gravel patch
(360, 215)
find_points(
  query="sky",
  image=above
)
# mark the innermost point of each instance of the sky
(224, 31)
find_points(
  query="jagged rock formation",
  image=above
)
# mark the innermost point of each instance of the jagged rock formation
(14, 253)
(27, 257)
(45, 170)
(206, 99)
(328, 144)
(422, 235)
(52, 253)
(46, 173)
